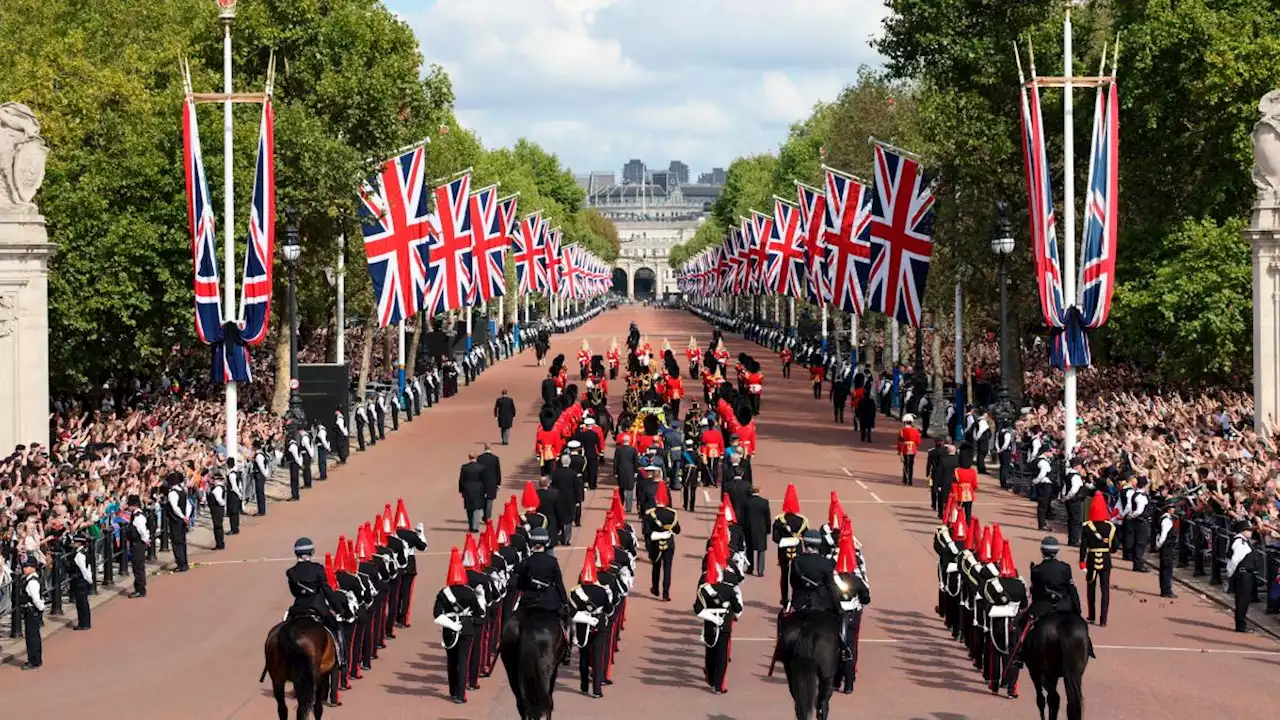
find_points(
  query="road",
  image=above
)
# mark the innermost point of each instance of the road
(192, 648)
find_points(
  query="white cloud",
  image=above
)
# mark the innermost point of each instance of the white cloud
(601, 81)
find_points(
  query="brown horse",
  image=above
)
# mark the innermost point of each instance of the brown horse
(300, 651)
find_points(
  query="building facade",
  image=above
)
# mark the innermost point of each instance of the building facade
(644, 252)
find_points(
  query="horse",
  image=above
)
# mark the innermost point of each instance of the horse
(301, 651)
(1058, 646)
(809, 648)
(533, 646)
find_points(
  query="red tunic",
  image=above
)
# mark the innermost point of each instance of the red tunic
(710, 381)
(747, 436)
(547, 445)
(817, 373)
(786, 355)
(755, 383)
(623, 438)
(722, 356)
(561, 380)
(692, 354)
(908, 441)
(712, 443)
(584, 357)
(675, 388)
(613, 358)
(967, 481)
(644, 442)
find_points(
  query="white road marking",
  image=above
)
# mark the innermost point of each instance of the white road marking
(846, 471)
(1146, 648)
(876, 498)
(706, 497)
(862, 485)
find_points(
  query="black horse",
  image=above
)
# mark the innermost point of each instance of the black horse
(533, 646)
(1058, 646)
(300, 651)
(809, 648)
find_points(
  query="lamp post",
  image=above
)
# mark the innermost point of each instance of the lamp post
(1002, 246)
(295, 418)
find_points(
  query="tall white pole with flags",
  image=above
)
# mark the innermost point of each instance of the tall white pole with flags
(227, 13)
(1069, 234)
(341, 281)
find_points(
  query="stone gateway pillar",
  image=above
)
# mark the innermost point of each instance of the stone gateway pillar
(25, 252)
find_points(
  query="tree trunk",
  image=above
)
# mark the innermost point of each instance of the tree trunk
(366, 356)
(280, 399)
(331, 341)
(388, 349)
(412, 350)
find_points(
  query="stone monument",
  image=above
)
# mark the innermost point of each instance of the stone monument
(25, 252)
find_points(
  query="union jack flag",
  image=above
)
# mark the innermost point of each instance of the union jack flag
(255, 288)
(785, 254)
(901, 235)
(490, 251)
(1044, 233)
(845, 223)
(555, 262)
(395, 221)
(742, 280)
(204, 241)
(530, 257)
(449, 281)
(1098, 256)
(761, 229)
(813, 208)
(729, 254)
(569, 264)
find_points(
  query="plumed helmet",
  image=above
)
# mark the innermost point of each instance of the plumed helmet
(791, 501)
(538, 537)
(588, 574)
(1007, 567)
(1098, 510)
(547, 417)
(742, 410)
(303, 546)
(847, 559)
(530, 499)
(662, 496)
(457, 574)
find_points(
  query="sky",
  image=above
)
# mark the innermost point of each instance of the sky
(599, 82)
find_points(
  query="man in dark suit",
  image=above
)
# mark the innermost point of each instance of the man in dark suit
(471, 488)
(564, 480)
(625, 462)
(492, 478)
(866, 416)
(756, 520)
(735, 485)
(944, 473)
(504, 409)
(930, 465)
(551, 506)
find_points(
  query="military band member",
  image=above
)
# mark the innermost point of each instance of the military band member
(81, 581)
(592, 604)
(1006, 597)
(457, 609)
(661, 525)
(717, 603)
(788, 531)
(1097, 543)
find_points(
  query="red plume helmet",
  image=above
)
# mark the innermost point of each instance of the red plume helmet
(713, 567)
(491, 531)
(502, 536)
(340, 555)
(997, 544)
(329, 573)
(984, 545)
(364, 543)
(960, 533)
(530, 500)
(588, 575)
(615, 507)
(834, 511)
(949, 514)
(975, 534)
(402, 516)
(352, 563)
(388, 520)
(791, 501)
(486, 546)
(847, 560)
(470, 553)
(603, 550)
(1007, 568)
(663, 498)
(457, 573)
(1098, 510)
(726, 510)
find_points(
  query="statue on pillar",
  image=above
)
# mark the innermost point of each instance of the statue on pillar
(22, 158)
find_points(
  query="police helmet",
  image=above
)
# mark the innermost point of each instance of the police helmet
(539, 537)
(303, 546)
(1049, 546)
(812, 539)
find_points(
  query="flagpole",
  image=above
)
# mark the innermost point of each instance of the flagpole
(824, 327)
(342, 299)
(791, 303)
(1069, 237)
(228, 16)
(400, 364)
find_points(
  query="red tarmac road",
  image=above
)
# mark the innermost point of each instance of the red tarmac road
(193, 647)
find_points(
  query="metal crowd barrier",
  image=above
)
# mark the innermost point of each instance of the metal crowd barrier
(107, 559)
(1204, 544)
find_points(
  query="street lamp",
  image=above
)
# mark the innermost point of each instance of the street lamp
(1002, 246)
(295, 418)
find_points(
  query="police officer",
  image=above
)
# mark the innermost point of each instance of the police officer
(307, 447)
(81, 581)
(716, 601)
(322, 450)
(1072, 495)
(1042, 486)
(393, 405)
(175, 509)
(32, 608)
(1166, 545)
(1097, 543)
(592, 604)
(138, 536)
(1242, 569)
(457, 609)
(1139, 522)
(235, 496)
(340, 435)
(312, 593)
(1004, 450)
(661, 525)
(379, 403)
(295, 466)
(1052, 587)
(217, 501)
(788, 529)
(362, 419)
(259, 472)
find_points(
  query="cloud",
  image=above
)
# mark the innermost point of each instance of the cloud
(601, 81)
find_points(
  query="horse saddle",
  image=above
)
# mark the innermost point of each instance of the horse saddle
(300, 613)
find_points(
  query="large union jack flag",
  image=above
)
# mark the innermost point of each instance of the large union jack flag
(395, 221)
(490, 251)
(1101, 223)
(761, 229)
(453, 238)
(555, 263)
(785, 268)
(204, 241)
(732, 261)
(529, 245)
(901, 235)
(845, 223)
(813, 208)
(255, 289)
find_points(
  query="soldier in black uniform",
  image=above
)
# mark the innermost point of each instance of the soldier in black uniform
(375, 574)
(81, 581)
(457, 609)
(661, 525)
(538, 580)
(1052, 587)
(592, 604)
(578, 463)
(1098, 541)
(175, 509)
(312, 594)
(415, 541)
(788, 529)
(716, 601)
(479, 581)
(1006, 596)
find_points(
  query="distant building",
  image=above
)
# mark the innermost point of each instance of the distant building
(679, 172)
(654, 202)
(633, 172)
(664, 179)
(715, 177)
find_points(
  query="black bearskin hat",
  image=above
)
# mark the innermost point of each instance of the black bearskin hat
(673, 369)
(547, 417)
(571, 394)
(651, 424)
(751, 364)
(597, 365)
(743, 358)
(709, 361)
(742, 410)
(715, 338)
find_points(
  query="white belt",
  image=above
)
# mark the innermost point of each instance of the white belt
(715, 616)
(849, 605)
(952, 567)
(789, 542)
(448, 620)
(660, 535)
(582, 617)
(1004, 611)
(755, 389)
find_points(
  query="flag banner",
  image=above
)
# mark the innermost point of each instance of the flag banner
(528, 246)
(554, 261)
(452, 241)
(761, 228)
(488, 279)
(785, 255)
(256, 284)
(813, 208)
(396, 222)
(1101, 224)
(845, 222)
(901, 235)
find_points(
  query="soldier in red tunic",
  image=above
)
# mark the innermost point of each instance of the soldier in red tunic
(787, 357)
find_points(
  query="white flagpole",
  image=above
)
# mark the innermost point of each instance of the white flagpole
(342, 299)
(1069, 236)
(824, 326)
(403, 357)
(791, 307)
(228, 15)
